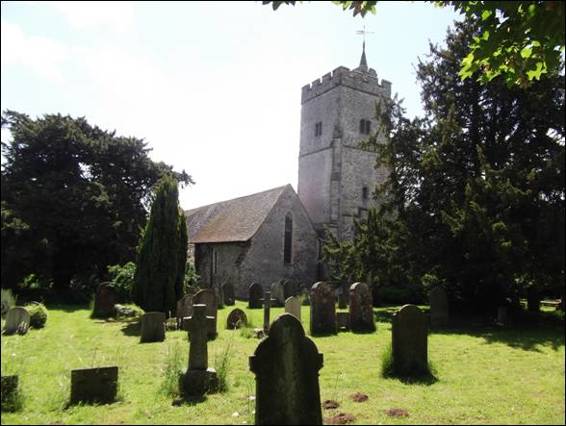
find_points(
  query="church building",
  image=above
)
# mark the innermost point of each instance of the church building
(277, 234)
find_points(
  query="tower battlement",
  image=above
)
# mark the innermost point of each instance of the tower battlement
(358, 79)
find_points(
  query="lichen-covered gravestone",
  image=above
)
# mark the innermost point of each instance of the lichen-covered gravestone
(438, 307)
(229, 296)
(152, 327)
(286, 365)
(198, 379)
(409, 333)
(293, 307)
(323, 309)
(184, 309)
(277, 293)
(104, 301)
(236, 319)
(94, 385)
(361, 308)
(17, 321)
(208, 297)
(256, 294)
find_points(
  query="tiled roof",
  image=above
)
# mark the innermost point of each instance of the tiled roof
(232, 220)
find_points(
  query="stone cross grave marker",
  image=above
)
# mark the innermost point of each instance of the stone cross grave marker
(199, 378)
(361, 308)
(208, 297)
(286, 365)
(229, 296)
(17, 321)
(267, 301)
(323, 309)
(438, 307)
(256, 294)
(409, 333)
(104, 301)
(236, 319)
(293, 307)
(152, 327)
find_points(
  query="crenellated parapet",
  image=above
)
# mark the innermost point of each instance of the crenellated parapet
(358, 79)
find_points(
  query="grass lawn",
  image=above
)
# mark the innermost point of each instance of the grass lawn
(485, 374)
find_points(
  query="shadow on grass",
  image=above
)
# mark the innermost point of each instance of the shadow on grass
(188, 401)
(131, 327)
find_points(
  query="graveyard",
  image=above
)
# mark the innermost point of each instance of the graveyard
(483, 373)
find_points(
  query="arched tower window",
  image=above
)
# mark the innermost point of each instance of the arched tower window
(288, 240)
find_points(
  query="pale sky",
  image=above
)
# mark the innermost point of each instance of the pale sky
(213, 87)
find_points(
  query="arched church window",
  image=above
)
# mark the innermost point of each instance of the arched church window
(288, 240)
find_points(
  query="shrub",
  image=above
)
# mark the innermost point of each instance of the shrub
(37, 315)
(8, 301)
(122, 277)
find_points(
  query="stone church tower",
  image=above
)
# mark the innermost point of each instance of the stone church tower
(336, 177)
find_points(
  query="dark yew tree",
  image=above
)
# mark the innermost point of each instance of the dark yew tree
(73, 198)
(160, 266)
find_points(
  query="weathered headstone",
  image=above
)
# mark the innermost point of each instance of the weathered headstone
(438, 307)
(286, 366)
(184, 309)
(152, 327)
(236, 319)
(17, 321)
(229, 296)
(323, 309)
(289, 289)
(409, 333)
(104, 301)
(256, 294)
(293, 307)
(361, 308)
(277, 293)
(208, 297)
(198, 379)
(267, 301)
(94, 385)
(343, 321)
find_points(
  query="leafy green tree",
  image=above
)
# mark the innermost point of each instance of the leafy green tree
(518, 40)
(73, 198)
(158, 282)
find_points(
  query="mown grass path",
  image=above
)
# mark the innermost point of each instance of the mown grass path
(485, 374)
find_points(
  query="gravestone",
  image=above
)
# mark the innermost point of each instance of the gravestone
(438, 307)
(277, 293)
(152, 327)
(409, 333)
(184, 309)
(256, 294)
(267, 301)
(286, 366)
(323, 309)
(229, 296)
(361, 308)
(104, 301)
(198, 379)
(17, 321)
(208, 297)
(289, 289)
(236, 319)
(94, 385)
(343, 321)
(293, 307)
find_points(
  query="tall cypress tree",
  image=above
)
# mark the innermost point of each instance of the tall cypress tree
(156, 286)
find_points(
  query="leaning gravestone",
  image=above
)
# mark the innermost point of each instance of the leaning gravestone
(277, 293)
(17, 321)
(438, 307)
(286, 366)
(104, 301)
(361, 308)
(152, 327)
(293, 307)
(409, 333)
(229, 296)
(198, 379)
(323, 309)
(184, 309)
(208, 297)
(256, 294)
(94, 385)
(236, 319)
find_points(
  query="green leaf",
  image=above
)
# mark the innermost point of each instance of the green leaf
(526, 52)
